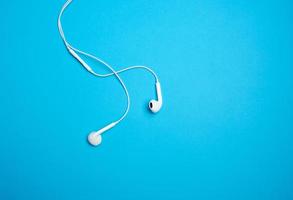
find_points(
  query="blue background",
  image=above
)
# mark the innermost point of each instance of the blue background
(225, 131)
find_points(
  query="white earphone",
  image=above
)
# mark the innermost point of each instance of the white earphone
(155, 105)
(95, 138)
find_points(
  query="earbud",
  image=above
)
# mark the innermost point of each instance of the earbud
(95, 138)
(155, 105)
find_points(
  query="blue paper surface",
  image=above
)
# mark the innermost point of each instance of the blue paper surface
(225, 129)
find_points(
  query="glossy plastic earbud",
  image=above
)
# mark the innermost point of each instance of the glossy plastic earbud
(155, 105)
(95, 138)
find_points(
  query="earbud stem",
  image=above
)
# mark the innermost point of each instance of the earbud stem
(159, 92)
(105, 128)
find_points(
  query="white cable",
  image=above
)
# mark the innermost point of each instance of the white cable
(119, 71)
(68, 45)
(108, 66)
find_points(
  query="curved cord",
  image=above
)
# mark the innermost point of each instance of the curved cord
(108, 66)
(119, 71)
(94, 57)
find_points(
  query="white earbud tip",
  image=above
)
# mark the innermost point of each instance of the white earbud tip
(154, 106)
(94, 139)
